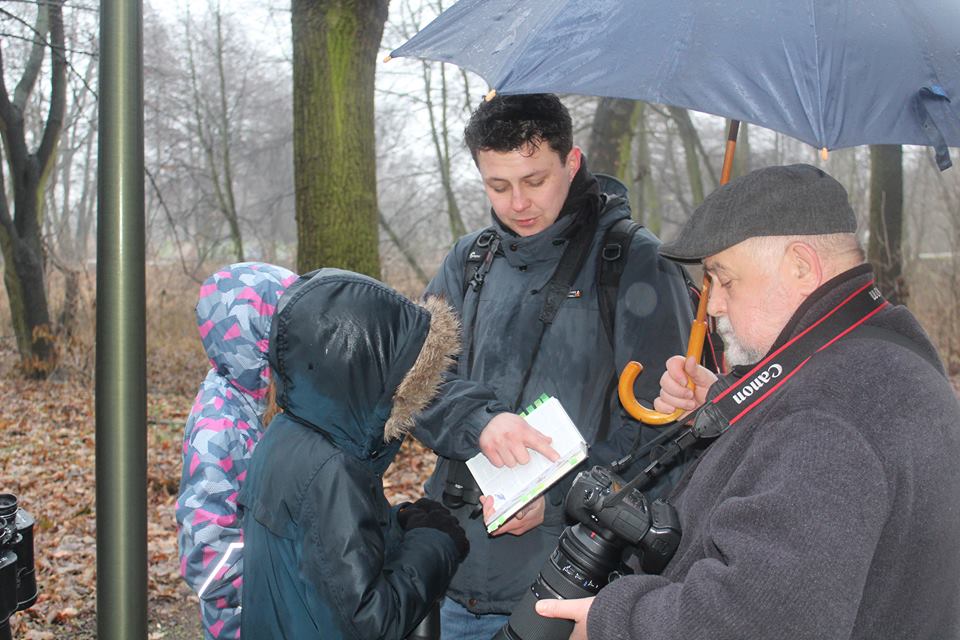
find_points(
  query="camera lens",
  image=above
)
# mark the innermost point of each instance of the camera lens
(8, 506)
(579, 567)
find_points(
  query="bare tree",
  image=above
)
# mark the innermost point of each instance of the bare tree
(440, 135)
(424, 169)
(219, 148)
(71, 195)
(213, 128)
(29, 171)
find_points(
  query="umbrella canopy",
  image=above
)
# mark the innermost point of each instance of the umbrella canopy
(832, 73)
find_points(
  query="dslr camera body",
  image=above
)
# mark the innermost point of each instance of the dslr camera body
(614, 521)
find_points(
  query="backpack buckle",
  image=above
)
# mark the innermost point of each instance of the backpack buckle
(611, 252)
(484, 240)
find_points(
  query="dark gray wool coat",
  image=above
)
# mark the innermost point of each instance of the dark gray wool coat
(830, 511)
(576, 364)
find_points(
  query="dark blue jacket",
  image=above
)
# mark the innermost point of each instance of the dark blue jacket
(325, 556)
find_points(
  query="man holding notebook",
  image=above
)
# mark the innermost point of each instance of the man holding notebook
(527, 292)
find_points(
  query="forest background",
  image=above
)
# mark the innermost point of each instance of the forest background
(274, 131)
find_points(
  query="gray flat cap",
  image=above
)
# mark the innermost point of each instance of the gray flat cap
(794, 200)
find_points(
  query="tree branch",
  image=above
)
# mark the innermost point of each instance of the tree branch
(58, 88)
(32, 68)
(407, 255)
(7, 112)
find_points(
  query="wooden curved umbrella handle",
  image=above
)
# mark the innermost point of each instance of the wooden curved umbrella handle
(698, 333)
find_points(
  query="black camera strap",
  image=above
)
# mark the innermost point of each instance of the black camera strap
(765, 378)
(771, 373)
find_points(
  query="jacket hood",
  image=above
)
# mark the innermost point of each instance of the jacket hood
(234, 312)
(357, 361)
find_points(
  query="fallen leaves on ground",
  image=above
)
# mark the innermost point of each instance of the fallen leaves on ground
(47, 459)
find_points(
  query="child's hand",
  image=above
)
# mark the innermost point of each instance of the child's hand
(429, 514)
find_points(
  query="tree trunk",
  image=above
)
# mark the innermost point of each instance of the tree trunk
(20, 234)
(225, 192)
(335, 47)
(26, 291)
(688, 134)
(886, 220)
(611, 137)
(741, 157)
(67, 322)
(647, 209)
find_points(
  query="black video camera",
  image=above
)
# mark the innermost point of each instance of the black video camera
(614, 520)
(18, 581)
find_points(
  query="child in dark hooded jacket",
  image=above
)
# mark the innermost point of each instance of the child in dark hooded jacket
(234, 312)
(326, 555)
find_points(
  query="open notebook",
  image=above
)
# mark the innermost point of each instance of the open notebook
(514, 487)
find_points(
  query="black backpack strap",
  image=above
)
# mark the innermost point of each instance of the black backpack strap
(557, 288)
(613, 260)
(571, 262)
(479, 258)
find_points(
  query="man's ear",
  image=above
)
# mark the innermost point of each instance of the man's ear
(573, 162)
(805, 267)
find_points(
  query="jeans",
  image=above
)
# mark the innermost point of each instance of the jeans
(457, 623)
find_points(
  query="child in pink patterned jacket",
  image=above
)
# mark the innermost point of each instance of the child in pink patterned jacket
(234, 313)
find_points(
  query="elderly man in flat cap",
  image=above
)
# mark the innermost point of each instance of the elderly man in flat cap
(827, 504)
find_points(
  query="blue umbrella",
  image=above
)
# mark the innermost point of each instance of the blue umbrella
(832, 73)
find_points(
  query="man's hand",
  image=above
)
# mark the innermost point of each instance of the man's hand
(575, 610)
(674, 393)
(507, 437)
(530, 517)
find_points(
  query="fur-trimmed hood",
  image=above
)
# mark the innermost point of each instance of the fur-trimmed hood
(357, 361)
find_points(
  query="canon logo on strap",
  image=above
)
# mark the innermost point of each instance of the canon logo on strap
(754, 385)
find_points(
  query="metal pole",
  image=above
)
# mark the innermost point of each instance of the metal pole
(121, 331)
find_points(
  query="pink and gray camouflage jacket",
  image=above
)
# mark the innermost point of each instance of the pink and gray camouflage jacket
(234, 312)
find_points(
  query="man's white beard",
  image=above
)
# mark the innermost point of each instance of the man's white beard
(734, 351)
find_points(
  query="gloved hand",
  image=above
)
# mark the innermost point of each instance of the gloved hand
(429, 514)
(423, 504)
